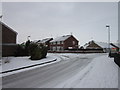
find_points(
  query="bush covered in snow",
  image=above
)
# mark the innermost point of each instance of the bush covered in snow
(37, 51)
(32, 49)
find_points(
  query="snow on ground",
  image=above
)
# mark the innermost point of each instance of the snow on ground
(102, 72)
(19, 62)
(67, 56)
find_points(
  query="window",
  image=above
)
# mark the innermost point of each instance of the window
(54, 48)
(58, 42)
(54, 43)
(61, 42)
(58, 48)
(50, 48)
(61, 48)
(73, 42)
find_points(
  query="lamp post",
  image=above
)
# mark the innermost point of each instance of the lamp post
(108, 28)
(0, 37)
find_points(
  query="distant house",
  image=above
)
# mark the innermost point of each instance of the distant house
(45, 42)
(97, 45)
(8, 40)
(92, 45)
(63, 43)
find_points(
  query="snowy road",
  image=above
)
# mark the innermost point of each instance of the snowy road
(50, 75)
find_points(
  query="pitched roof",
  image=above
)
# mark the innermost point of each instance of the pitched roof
(86, 45)
(43, 40)
(35, 41)
(8, 27)
(61, 38)
(101, 44)
(105, 45)
(115, 45)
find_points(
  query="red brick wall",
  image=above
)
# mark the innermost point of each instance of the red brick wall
(51, 45)
(69, 43)
(8, 36)
(93, 45)
(8, 41)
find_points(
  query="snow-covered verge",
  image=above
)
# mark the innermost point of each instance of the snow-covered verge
(11, 63)
(102, 72)
(19, 62)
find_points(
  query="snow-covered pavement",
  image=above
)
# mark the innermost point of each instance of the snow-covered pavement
(102, 72)
(72, 71)
(20, 62)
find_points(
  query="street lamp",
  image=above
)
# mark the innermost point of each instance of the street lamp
(108, 28)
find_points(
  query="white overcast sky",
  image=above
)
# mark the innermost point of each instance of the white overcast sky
(86, 20)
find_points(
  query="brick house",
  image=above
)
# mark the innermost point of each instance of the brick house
(45, 42)
(63, 43)
(9, 36)
(92, 45)
(97, 45)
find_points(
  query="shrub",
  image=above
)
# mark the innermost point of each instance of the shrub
(44, 51)
(31, 49)
(23, 49)
(37, 51)
(27, 44)
(36, 54)
(20, 51)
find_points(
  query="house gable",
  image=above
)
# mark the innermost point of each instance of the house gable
(93, 45)
(71, 42)
(73, 38)
(8, 34)
(3, 24)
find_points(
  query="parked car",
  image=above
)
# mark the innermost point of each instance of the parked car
(115, 55)
(112, 54)
(117, 59)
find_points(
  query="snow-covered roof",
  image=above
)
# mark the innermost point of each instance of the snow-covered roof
(101, 44)
(116, 44)
(8, 27)
(85, 46)
(105, 45)
(42, 41)
(61, 38)
(35, 41)
(45, 40)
